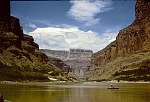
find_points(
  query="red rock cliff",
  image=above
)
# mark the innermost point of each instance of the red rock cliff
(133, 39)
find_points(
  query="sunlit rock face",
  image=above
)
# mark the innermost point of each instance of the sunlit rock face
(60, 54)
(57, 57)
(142, 10)
(130, 40)
(133, 39)
(78, 59)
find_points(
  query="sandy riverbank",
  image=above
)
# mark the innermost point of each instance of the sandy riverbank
(61, 82)
(115, 81)
(30, 83)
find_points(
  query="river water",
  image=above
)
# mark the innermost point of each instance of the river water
(76, 92)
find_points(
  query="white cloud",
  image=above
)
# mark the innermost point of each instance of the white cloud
(32, 25)
(85, 11)
(61, 38)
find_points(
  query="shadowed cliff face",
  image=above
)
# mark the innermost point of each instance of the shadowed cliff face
(4, 10)
(20, 58)
(133, 39)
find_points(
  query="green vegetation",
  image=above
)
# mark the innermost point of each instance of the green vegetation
(132, 68)
(16, 74)
(24, 65)
(57, 74)
(142, 73)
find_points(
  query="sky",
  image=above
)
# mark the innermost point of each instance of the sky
(65, 24)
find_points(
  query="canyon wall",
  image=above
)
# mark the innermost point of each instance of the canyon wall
(20, 58)
(78, 60)
(131, 40)
(57, 57)
(60, 54)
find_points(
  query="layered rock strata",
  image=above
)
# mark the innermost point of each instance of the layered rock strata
(59, 54)
(131, 40)
(78, 60)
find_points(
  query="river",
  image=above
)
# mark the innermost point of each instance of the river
(76, 92)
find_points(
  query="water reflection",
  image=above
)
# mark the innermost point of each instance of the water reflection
(19, 93)
(96, 92)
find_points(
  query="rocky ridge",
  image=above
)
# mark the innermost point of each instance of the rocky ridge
(133, 39)
(57, 57)
(59, 54)
(20, 58)
(78, 60)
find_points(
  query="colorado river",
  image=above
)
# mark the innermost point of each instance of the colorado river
(76, 92)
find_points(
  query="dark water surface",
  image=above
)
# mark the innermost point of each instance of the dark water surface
(70, 92)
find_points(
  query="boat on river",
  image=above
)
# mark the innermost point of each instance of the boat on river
(113, 88)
